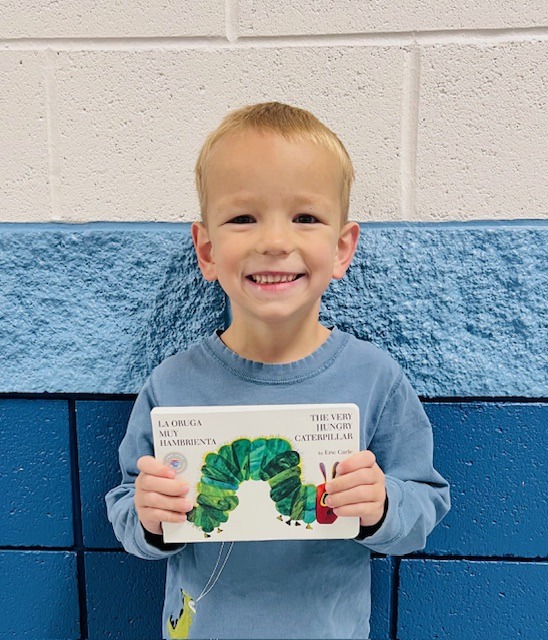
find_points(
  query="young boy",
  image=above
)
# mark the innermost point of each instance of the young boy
(274, 187)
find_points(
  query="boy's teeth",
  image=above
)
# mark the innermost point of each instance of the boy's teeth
(273, 279)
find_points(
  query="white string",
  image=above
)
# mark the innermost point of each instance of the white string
(213, 572)
(208, 588)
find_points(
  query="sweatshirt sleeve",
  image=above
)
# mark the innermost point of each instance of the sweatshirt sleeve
(418, 496)
(120, 503)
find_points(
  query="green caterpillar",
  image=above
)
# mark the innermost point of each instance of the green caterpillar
(268, 459)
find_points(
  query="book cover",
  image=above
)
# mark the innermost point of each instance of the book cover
(257, 472)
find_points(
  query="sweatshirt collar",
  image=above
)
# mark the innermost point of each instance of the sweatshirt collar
(285, 373)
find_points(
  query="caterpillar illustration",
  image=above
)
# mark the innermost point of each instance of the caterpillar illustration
(269, 459)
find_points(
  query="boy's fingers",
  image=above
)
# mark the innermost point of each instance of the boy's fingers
(356, 461)
(362, 476)
(159, 497)
(369, 513)
(156, 501)
(164, 486)
(356, 495)
(157, 516)
(151, 466)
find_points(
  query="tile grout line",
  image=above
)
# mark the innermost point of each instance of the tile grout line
(130, 397)
(400, 38)
(77, 520)
(423, 557)
(395, 589)
(409, 133)
(231, 40)
(52, 120)
(232, 18)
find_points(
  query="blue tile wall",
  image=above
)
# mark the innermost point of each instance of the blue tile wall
(35, 474)
(382, 575)
(124, 596)
(100, 427)
(475, 600)
(89, 309)
(494, 455)
(137, 614)
(39, 595)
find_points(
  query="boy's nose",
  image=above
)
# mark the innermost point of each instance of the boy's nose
(275, 239)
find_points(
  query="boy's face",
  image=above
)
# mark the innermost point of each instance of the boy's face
(273, 236)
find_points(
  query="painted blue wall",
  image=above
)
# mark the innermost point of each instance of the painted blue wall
(85, 313)
(91, 308)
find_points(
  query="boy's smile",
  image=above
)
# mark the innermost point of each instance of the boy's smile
(273, 278)
(274, 282)
(273, 236)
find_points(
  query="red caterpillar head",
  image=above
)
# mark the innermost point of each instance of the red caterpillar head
(324, 514)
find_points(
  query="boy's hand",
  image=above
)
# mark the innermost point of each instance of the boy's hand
(358, 489)
(159, 497)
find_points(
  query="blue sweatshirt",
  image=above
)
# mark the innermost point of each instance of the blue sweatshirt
(288, 589)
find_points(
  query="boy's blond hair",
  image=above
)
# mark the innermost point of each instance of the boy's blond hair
(290, 122)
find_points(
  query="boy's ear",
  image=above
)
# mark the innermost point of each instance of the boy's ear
(204, 253)
(346, 248)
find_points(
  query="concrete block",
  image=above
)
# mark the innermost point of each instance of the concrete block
(104, 19)
(463, 599)
(132, 123)
(39, 597)
(97, 307)
(101, 425)
(94, 308)
(36, 474)
(124, 596)
(482, 135)
(461, 309)
(275, 17)
(493, 455)
(24, 169)
(382, 570)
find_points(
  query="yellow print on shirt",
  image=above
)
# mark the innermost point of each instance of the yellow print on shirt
(179, 629)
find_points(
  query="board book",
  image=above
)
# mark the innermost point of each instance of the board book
(257, 472)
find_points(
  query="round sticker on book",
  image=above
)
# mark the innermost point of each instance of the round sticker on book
(176, 461)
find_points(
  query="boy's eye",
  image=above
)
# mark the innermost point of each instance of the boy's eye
(242, 219)
(305, 218)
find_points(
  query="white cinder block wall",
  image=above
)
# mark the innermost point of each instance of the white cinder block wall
(104, 105)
